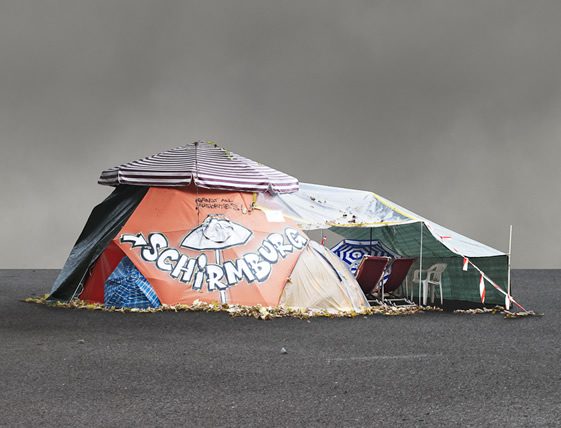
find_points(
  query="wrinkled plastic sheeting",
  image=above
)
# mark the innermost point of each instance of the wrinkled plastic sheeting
(105, 221)
(319, 207)
(324, 207)
(321, 281)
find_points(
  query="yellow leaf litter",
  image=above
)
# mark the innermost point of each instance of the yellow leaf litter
(498, 310)
(268, 312)
(257, 311)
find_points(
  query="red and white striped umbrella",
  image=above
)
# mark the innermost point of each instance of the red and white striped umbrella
(205, 164)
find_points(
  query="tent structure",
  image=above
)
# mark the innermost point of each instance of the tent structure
(365, 217)
(181, 226)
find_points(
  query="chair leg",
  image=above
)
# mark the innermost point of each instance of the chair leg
(441, 297)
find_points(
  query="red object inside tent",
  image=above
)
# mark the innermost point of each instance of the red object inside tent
(102, 269)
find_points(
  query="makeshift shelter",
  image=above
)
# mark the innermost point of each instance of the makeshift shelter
(370, 220)
(181, 226)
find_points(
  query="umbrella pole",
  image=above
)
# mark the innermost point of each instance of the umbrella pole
(223, 298)
(195, 180)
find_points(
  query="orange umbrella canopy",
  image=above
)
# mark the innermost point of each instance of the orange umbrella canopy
(210, 246)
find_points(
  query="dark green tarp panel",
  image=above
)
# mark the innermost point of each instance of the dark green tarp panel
(105, 221)
(457, 285)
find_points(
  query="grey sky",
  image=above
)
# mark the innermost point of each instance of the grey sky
(450, 108)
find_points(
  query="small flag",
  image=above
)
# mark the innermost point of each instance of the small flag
(466, 262)
(507, 302)
(482, 288)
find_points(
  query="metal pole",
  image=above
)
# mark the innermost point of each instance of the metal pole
(421, 263)
(223, 297)
(195, 179)
(508, 289)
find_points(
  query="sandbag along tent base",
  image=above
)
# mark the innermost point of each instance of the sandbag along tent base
(181, 226)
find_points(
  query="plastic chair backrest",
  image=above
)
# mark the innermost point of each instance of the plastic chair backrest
(434, 273)
(370, 271)
(400, 268)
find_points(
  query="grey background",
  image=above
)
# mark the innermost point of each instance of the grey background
(450, 108)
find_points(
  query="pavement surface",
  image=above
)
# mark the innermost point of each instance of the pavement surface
(62, 367)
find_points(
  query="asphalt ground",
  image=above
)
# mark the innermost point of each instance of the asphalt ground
(62, 367)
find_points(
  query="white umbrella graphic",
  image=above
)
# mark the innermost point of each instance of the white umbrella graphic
(216, 233)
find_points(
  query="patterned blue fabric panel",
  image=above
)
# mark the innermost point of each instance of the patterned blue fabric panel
(126, 287)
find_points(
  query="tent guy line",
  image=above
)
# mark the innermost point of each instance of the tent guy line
(496, 286)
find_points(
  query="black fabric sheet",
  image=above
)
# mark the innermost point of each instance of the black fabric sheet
(104, 223)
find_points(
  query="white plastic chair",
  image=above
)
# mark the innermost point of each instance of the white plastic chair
(432, 278)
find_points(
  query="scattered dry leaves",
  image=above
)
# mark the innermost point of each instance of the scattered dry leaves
(257, 311)
(498, 310)
(268, 312)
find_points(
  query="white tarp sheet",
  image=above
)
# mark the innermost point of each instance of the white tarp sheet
(321, 207)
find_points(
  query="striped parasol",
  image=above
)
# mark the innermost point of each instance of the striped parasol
(352, 251)
(205, 164)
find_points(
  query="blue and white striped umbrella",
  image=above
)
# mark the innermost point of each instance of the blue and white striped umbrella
(351, 251)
